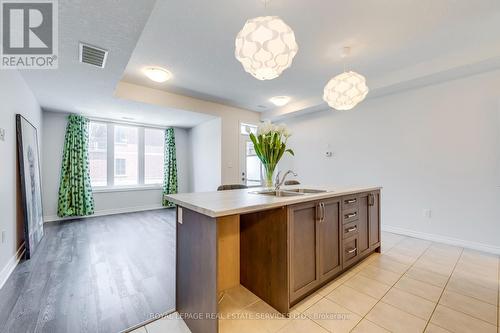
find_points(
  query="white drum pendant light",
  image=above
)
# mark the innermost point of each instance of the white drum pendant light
(265, 47)
(345, 90)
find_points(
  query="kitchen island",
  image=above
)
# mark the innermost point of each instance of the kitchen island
(281, 246)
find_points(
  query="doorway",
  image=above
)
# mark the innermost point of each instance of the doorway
(250, 165)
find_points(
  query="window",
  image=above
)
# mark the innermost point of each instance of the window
(98, 152)
(120, 167)
(126, 155)
(246, 129)
(121, 135)
(154, 151)
(123, 155)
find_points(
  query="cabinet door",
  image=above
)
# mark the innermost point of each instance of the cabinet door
(363, 244)
(304, 262)
(374, 219)
(329, 238)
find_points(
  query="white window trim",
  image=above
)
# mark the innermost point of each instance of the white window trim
(110, 160)
(106, 189)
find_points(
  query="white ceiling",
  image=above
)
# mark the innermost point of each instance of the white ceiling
(395, 44)
(80, 88)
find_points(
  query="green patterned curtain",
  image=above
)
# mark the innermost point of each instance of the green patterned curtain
(169, 167)
(75, 190)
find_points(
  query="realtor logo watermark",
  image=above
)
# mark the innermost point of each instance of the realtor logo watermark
(29, 34)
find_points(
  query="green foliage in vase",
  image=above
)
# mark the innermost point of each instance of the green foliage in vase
(270, 146)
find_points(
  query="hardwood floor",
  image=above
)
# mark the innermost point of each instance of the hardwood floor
(101, 274)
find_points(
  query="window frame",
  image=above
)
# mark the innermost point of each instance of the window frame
(110, 160)
(89, 148)
(244, 137)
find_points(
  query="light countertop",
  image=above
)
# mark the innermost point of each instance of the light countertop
(223, 203)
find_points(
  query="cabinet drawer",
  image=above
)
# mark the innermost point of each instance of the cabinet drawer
(350, 215)
(350, 249)
(349, 202)
(350, 229)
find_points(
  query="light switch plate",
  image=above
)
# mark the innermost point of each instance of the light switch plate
(3, 237)
(2, 134)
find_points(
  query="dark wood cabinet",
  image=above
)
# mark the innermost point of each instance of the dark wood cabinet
(289, 252)
(303, 251)
(280, 253)
(363, 242)
(315, 249)
(351, 253)
(374, 219)
(315, 245)
(361, 231)
(328, 236)
(329, 239)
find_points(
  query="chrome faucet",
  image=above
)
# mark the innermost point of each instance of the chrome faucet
(279, 182)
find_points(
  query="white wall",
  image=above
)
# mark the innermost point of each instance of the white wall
(230, 120)
(54, 125)
(15, 97)
(436, 147)
(205, 149)
(183, 155)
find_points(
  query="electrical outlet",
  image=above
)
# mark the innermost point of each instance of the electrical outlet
(2, 134)
(427, 213)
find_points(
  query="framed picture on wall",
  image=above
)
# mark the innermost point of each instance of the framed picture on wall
(29, 171)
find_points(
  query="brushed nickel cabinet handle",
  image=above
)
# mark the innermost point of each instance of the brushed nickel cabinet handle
(348, 216)
(352, 229)
(320, 212)
(322, 208)
(350, 201)
(351, 251)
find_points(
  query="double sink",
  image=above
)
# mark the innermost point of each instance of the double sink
(289, 192)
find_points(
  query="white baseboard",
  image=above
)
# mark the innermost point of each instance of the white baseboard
(11, 264)
(443, 239)
(54, 218)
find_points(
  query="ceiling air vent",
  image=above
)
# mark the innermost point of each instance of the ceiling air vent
(92, 55)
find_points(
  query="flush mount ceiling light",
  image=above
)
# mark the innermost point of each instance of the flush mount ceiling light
(280, 100)
(345, 90)
(157, 74)
(265, 47)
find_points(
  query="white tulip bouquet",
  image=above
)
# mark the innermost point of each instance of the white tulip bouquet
(270, 145)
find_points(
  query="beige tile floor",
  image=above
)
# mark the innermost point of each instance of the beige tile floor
(412, 286)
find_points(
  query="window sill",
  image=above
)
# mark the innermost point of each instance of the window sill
(126, 188)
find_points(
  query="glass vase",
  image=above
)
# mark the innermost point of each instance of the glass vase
(269, 175)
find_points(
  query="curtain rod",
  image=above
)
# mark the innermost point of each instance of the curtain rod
(125, 122)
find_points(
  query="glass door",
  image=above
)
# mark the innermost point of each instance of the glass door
(250, 165)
